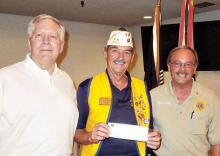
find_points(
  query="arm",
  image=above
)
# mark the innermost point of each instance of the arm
(214, 127)
(154, 139)
(100, 130)
(75, 149)
(99, 133)
(215, 150)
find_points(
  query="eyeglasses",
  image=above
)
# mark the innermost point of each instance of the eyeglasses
(178, 64)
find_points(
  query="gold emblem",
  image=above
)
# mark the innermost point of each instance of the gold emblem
(200, 104)
(105, 101)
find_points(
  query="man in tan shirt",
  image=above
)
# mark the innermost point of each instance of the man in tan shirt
(186, 113)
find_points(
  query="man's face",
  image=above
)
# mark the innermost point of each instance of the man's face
(181, 74)
(118, 58)
(45, 43)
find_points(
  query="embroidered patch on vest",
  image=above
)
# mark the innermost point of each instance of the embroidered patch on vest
(146, 121)
(140, 107)
(105, 101)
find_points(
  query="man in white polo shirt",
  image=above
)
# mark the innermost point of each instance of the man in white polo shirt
(186, 113)
(38, 111)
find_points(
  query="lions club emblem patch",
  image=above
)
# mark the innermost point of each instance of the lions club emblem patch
(200, 104)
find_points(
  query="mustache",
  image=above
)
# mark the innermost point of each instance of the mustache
(182, 72)
(120, 61)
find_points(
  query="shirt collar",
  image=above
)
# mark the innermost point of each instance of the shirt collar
(127, 75)
(195, 91)
(30, 64)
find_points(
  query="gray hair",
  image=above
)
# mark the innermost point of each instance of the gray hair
(183, 47)
(32, 24)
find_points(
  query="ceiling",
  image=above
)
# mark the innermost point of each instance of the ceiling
(123, 13)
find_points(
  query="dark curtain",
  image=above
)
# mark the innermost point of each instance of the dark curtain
(206, 43)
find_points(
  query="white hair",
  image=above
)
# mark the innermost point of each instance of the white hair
(32, 24)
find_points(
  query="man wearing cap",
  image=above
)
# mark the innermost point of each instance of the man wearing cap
(114, 96)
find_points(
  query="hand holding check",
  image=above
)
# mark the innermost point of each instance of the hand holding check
(126, 131)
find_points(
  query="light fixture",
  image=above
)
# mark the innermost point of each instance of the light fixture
(147, 17)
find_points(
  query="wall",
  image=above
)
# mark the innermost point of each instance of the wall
(82, 57)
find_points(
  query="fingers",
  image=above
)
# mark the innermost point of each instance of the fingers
(154, 140)
(100, 132)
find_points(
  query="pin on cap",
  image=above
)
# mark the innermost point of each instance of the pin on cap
(121, 38)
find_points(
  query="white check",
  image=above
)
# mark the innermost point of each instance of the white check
(128, 132)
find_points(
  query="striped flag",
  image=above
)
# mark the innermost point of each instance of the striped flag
(186, 24)
(156, 47)
(154, 71)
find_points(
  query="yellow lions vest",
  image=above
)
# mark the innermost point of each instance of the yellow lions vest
(99, 100)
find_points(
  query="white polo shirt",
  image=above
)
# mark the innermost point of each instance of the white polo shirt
(189, 128)
(38, 111)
